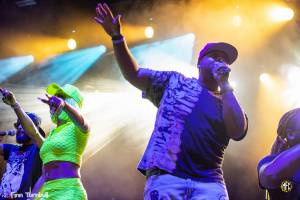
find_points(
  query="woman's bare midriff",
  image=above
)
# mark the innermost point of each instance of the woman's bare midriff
(60, 169)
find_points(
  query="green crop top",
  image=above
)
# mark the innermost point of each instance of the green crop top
(64, 143)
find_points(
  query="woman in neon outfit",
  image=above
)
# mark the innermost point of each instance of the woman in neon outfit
(61, 151)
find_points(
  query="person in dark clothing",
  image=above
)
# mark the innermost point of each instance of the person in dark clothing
(23, 164)
(279, 172)
(194, 121)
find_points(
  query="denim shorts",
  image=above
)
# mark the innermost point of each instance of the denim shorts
(169, 187)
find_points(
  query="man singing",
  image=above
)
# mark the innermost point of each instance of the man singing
(194, 121)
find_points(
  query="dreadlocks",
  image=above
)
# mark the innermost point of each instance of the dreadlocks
(283, 123)
(280, 143)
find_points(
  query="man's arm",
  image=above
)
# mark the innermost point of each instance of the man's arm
(233, 115)
(27, 124)
(1, 146)
(112, 26)
(37, 186)
(283, 167)
(234, 118)
(129, 67)
(2, 159)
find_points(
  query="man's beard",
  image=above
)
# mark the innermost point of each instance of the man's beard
(22, 138)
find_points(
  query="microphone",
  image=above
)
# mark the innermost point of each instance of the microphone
(8, 132)
(222, 69)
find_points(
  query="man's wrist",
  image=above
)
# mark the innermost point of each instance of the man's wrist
(118, 39)
(117, 36)
(16, 105)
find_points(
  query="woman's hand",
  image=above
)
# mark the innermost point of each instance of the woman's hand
(55, 103)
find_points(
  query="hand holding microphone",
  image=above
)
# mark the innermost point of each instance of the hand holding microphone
(221, 68)
(224, 70)
(221, 72)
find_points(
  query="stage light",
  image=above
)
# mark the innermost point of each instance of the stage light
(237, 20)
(72, 44)
(11, 66)
(290, 74)
(265, 78)
(149, 32)
(293, 75)
(24, 3)
(173, 54)
(30, 58)
(65, 68)
(280, 13)
(120, 110)
(232, 84)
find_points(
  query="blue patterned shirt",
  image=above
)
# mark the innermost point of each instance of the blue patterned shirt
(189, 137)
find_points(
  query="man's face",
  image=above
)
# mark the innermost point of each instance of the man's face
(210, 60)
(293, 131)
(213, 57)
(21, 136)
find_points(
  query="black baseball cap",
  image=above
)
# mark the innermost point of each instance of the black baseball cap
(230, 51)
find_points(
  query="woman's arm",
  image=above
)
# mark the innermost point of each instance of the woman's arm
(57, 105)
(76, 117)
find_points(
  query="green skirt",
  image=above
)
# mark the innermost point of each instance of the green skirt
(62, 189)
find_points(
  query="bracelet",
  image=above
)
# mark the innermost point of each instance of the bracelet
(118, 39)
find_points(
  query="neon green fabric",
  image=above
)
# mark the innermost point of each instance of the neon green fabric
(64, 143)
(67, 91)
(62, 189)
